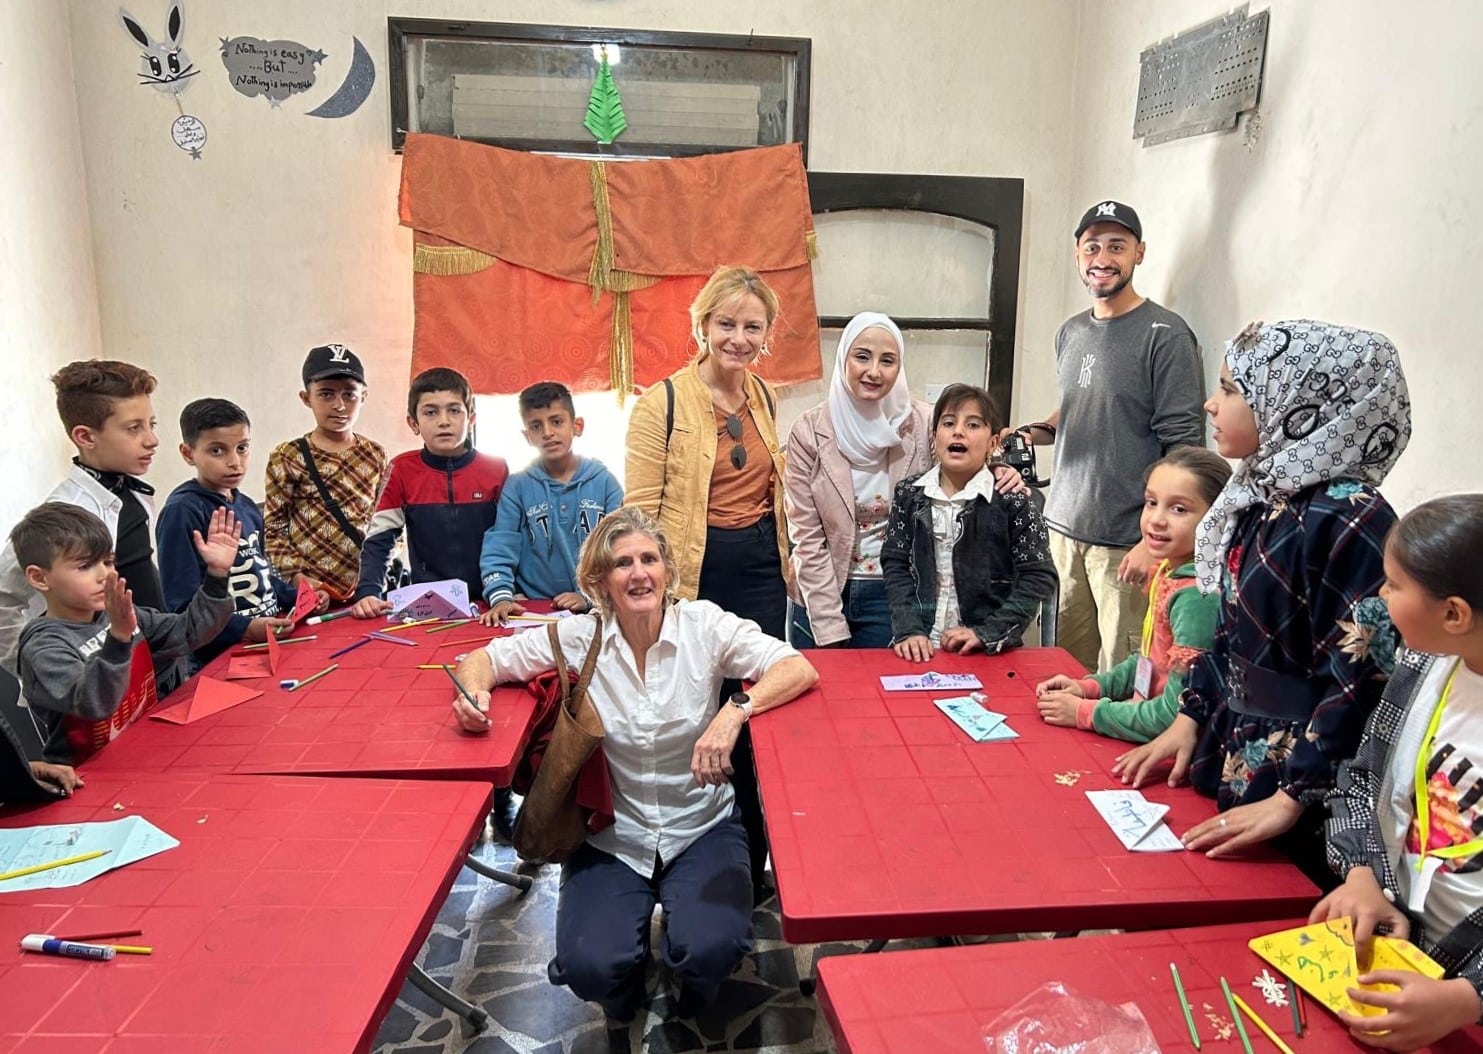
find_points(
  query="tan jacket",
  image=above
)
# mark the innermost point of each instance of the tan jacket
(670, 477)
(821, 509)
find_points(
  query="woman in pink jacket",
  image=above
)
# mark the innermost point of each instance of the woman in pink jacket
(845, 457)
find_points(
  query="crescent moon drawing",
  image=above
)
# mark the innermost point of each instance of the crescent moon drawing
(354, 90)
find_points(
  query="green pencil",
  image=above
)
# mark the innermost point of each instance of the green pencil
(1189, 1019)
(1292, 1004)
(1236, 1016)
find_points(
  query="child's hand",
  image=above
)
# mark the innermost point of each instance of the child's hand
(1245, 825)
(1009, 481)
(118, 603)
(259, 628)
(1422, 1012)
(1361, 899)
(1138, 765)
(1059, 708)
(370, 607)
(63, 779)
(914, 649)
(962, 640)
(1060, 683)
(323, 604)
(1136, 566)
(500, 613)
(218, 550)
(569, 602)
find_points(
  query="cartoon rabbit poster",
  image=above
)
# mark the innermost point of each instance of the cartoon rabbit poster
(165, 66)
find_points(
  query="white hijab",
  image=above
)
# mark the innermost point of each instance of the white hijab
(867, 431)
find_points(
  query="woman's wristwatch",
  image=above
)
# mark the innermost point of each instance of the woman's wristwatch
(743, 702)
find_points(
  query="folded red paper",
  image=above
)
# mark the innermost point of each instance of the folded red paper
(211, 697)
(258, 664)
(304, 603)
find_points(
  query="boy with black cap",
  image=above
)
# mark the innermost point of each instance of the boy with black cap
(322, 487)
(1132, 388)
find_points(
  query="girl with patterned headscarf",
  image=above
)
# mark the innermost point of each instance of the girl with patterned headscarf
(1318, 414)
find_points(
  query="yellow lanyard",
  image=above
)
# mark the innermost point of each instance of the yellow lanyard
(1153, 595)
(1423, 802)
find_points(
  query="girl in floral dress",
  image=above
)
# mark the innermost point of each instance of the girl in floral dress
(1318, 414)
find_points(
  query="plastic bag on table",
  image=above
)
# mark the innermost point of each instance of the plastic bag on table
(1054, 1019)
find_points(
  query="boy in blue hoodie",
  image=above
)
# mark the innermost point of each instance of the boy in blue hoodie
(545, 512)
(216, 440)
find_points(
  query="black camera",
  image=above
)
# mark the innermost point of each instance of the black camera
(1019, 454)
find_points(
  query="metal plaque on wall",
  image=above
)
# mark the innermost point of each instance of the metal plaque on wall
(1200, 80)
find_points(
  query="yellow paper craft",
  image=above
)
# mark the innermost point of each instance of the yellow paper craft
(1320, 959)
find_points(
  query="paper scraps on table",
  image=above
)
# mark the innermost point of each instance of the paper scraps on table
(931, 681)
(1137, 822)
(1071, 777)
(1272, 989)
(448, 599)
(258, 664)
(1321, 959)
(304, 603)
(211, 697)
(981, 726)
(127, 840)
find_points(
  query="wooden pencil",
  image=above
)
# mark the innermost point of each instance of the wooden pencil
(1259, 1023)
(1189, 1018)
(1236, 1017)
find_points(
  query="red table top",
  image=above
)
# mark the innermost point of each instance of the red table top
(377, 715)
(887, 821)
(285, 920)
(939, 1000)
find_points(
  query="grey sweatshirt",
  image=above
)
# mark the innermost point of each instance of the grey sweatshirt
(1132, 389)
(79, 669)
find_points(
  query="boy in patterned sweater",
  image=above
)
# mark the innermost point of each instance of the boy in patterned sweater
(322, 487)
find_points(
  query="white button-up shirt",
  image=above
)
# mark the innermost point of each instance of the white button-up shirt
(947, 527)
(651, 722)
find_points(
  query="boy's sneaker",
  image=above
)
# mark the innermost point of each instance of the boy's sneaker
(502, 816)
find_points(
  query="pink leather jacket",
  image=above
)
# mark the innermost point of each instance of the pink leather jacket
(820, 497)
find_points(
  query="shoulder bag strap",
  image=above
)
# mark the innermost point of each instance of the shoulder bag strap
(566, 687)
(591, 661)
(324, 493)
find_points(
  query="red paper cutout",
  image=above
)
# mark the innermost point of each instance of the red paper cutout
(211, 697)
(305, 603)
(87, 737)
(257, 663)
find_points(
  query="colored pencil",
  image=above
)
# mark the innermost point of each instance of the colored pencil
(532, 618)
(1297, 1011)
(409, 625)
(34, 868)
(1236, 1017)
(284, 640)
(464, 691)
(1189, 1019)
(378, 635)
(449, 625)
(84, 938)
(331, 668)
(351, 647)
(132, 949)
(481, 641)
(1259, 1023)
(314, 620)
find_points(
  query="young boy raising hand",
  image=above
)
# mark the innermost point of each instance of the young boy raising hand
(85, 665)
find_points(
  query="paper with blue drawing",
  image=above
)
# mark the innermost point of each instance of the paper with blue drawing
(981, 725)
(931, 681)
(1137, 822)
(127, 840)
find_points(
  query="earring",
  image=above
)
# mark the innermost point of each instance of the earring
(765, 349)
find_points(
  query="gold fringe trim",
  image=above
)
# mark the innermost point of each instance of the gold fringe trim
(602, 275)
(811, 244)
(620, 359)
(449, 260)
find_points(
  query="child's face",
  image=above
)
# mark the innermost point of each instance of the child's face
(1233, 425)
(872, 365)
(1417, 615)
(1172, 508)
(551, 429)
(963, 440)
(336, 402)
(220, 457)
(443, 422)
(72, 585)
(127, 441)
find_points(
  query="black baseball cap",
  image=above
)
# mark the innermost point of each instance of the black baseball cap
(1111, 212)
(332, 360)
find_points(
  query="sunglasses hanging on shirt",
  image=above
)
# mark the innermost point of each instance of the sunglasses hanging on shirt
(738, 452)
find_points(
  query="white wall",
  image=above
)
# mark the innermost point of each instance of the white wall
(1356, 200)
(48, 294)
(219, 274)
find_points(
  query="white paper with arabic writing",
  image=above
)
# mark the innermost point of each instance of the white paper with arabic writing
(1137, 822)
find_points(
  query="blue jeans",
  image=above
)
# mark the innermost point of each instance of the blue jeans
(865, 610)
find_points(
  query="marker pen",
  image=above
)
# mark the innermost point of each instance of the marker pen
(328, 617)
(40, 942)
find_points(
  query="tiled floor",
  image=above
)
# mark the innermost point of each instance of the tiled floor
(491, 945)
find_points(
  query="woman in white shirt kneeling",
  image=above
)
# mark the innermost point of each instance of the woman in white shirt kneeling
(676, 836)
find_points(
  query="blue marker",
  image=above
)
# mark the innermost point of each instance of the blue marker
(41, 942)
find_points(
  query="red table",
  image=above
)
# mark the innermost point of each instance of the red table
(938, 1001)
(286, 919)
(886, 821)
(377, 715)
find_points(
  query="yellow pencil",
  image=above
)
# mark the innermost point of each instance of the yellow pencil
(1259, 1023)
(532, 618)
(129, 949)
(21, 872)
(408, 625)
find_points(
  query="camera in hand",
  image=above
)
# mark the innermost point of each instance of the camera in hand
(1019, 454)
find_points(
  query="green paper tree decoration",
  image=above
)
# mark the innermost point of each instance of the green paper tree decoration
(605, 119)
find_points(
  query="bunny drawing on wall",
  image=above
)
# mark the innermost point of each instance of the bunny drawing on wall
(165, 67)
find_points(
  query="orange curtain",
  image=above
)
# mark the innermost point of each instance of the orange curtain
(529, 268)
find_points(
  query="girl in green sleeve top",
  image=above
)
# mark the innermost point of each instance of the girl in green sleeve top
(1138, 698)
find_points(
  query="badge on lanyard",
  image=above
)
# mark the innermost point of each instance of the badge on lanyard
(1143, 676)
(1424, 865)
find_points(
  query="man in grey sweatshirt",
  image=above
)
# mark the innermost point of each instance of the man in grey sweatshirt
(88, 665)
(1132, 388)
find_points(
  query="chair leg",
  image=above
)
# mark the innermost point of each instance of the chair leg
(509, 878)
(474, 1019)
